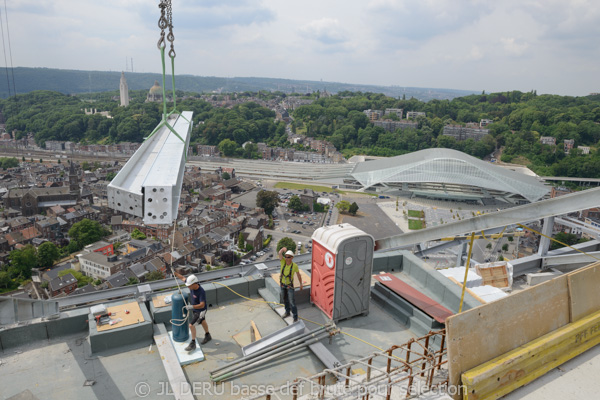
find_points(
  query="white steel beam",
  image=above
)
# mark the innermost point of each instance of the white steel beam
(149, 184)
(530, 212)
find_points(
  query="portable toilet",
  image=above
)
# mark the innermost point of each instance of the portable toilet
(342, 264)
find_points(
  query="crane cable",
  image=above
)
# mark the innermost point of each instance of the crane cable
(166, 22)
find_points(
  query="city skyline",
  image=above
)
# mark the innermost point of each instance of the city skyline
(473, 45)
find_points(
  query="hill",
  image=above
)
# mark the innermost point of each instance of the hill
(77, 82)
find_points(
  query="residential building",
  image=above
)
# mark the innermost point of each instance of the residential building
(62, 285)
(548, 140)
(414, 114)
(463, 133)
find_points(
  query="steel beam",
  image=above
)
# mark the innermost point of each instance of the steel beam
(576, 258)
(530, 212)
(149, 184)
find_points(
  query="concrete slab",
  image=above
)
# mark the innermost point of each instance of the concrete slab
(186, 357)
(537, 278)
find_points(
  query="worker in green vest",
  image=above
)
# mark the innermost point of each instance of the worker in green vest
(286, 282)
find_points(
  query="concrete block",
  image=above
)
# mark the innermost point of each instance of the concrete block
(210, 289)
(255, 282)
(70, 322)
(537, 278)
(138, 335)
(23, 335)
(239, 285)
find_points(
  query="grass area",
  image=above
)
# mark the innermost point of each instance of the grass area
(415, 224)
(300, 186)
(364, 193)
(521, 160)
(416, 213)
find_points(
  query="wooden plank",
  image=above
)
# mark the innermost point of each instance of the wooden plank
(135, 315)
(304, 275)
(416, 298)
(505, 373)
(254, 333)
(585, 296)
(485, 332)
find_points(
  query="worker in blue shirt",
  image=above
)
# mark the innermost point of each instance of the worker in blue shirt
(197, 305)
(286, 281)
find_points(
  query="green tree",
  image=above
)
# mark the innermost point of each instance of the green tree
(287, 242)
(225, 176)
(488, 246)
(5, 280)
(47, 253)
(295, 204)
(267, 200)
(353, 208)
(343, 205)
(132, 281)
(110, 176)
(505, 247)
(567, 238)
(86, 232)
(137, 234)
(22, 262)
(154, 276)
(241, 243)
(228, 147)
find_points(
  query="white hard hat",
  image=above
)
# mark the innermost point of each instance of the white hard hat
(289, 253)
(191, 280)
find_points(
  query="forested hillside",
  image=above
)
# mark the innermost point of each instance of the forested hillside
(519, 120)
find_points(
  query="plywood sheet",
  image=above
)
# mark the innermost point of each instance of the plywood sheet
(304, 275)
(496, 276)
(485, 332)
(585, 296)
(134, 316)
(159, 301)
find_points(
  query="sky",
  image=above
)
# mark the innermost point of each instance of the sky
(552, 46)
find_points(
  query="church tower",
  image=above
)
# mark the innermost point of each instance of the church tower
(73, 182)
(124, 91)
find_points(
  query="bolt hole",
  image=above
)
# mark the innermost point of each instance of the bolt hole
(154, 217)
(154, 190)
(150, 200)
(131, 208)
(119, 204)
(149, 214)
(162, 217)
(162, 190)
(165, 199)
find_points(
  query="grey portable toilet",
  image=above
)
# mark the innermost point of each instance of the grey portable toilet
(342, 264)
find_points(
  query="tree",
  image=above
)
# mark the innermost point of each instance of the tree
(86, 232)
(488, 246)
(132, 281)
(343, 205)
(22, 262)
(47, 253)
(5, 280)
(137, 234)
(287, 242)
(110, 176)
(567, 238)
(241, 244)
(505, 247)
(353, 208)
(228, 147)
(267, 200)
(155, 276)
(225, 176)
(295, 204)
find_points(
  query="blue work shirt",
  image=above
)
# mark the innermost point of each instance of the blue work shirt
(196, 297)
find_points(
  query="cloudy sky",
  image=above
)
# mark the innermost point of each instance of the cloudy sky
(552, 46)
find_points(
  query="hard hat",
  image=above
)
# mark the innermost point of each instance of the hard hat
(289, 253)
(191, 280)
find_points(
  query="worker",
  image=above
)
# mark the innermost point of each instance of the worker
(286, 282)
(198, 307)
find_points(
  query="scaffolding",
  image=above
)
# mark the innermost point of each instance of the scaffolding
(402, 371)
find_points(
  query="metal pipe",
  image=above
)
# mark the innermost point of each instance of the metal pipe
(272, 347)
(253, 363)
(284, 349)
